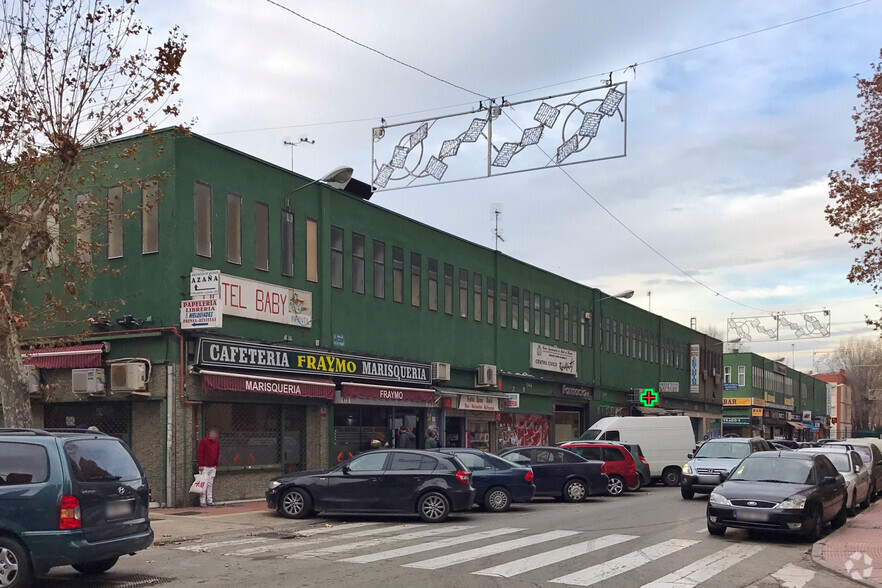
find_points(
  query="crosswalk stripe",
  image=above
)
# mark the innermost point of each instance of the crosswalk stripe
(479, 552)
(705, 568)
(296, 542)
(345, 547)
(792, 576)
(554, 556)
(625, 563)
(447, 542)
(207, 546)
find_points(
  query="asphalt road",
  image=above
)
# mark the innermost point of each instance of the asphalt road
(652, 537)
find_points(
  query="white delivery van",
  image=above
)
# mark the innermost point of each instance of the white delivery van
(665, 441)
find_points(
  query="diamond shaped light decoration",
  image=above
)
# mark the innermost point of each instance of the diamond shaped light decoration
(546, 115)
(474, 131)
(611, 103)
(419, 135)
(399, 156)
(506, 152)
(383, 176)
(568, 148)
(449, 147)
(531, 136)
(436, 167)
(590, 124)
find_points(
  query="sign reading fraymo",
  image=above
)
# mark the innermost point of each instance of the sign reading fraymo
(552, 359)
(262, 301)
(227, 353)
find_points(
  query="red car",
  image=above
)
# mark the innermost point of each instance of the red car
(618, 464)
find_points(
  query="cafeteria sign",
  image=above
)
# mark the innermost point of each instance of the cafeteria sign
(225, 353)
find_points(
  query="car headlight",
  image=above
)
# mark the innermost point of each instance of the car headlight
(792, 503)
(719, 499)
(687, 469)
(274, 484)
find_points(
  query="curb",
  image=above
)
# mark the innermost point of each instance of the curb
(818, 555)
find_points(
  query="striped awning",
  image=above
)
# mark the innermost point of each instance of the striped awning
(387, 393)
(305, 387)
(72, 357)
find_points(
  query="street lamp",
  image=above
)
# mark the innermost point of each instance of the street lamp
(598, 342)
(626, 294)
(336, 178)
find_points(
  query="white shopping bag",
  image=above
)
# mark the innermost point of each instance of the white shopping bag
(198, 486)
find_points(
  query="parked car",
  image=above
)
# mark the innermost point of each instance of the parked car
(68, 498)
(636, 452)
(785, 491)
(781, 446)
(713, 462)
(664, 439)
(785, 443)
(857, 475)
(497, 482)
(871, 453)
(803, 444)
(619, 464)
(560, 473)
(430, 484)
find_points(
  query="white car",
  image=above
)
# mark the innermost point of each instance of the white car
(856, 473)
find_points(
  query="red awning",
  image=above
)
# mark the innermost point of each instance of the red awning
(306, 387)
(75, 356)
(387, 393)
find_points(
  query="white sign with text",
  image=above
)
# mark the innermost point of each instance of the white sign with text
(552, 359)
(265, 302)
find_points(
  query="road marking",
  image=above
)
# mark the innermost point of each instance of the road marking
(702, 530)
(207, 546)
(705, 568)
(344, 547)
(479, 552)
(554, 556)
(447, 542)
(625, 563)
(296, 543)
(792, 576)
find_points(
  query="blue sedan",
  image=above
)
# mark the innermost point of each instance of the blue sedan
(497, 482)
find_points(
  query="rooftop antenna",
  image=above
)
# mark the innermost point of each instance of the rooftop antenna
(293, 144)
(497, 236)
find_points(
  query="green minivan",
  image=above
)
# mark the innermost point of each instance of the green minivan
(74, 498)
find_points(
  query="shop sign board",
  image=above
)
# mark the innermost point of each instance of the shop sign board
(669, 387)
(788, 401)
(265, 302)
(231, 354)
(576, 391)
(745, 421)
(202, 313)
(469, 402)
(737, 401)
(757, 412)
(512, 400)
(552, 359)
(694, 368)
(806, 416)
(730, 386)
(205, 283)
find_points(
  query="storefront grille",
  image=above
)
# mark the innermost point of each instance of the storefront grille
(112, 418)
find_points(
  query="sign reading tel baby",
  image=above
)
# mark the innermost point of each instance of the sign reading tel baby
(552, 359)
(255, 300)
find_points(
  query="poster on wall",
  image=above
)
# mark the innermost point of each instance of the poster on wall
(694, 367)
(520, 430)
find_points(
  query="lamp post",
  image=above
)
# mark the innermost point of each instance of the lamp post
(598, 341)
(336, 178)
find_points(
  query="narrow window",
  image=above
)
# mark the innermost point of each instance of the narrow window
(627, 341)
(607, 336)
(515, 307)
(150, 218)
(557, 320)
(202, 216)
(336, 257)
(574, 320)
(311, 250)
(615, 328)
(397, 274)
(478, 285)
(287, 247)
(503, 304)
(491, 300)
(379, 269)
(448, 289)
(742, 376)
(115, 223)
(261, 236)
(566, 324)
(433, 284)
(83, 224)
(234, 228)
(547, 316)
(357, 263)
(416, 277)
(463, 293)
(727, 374)
(537, 314)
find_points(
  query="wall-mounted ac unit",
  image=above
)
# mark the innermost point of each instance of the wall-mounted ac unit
(486, 377)
(88, 381)
(33, 380)
(129, 377)
(440, 371)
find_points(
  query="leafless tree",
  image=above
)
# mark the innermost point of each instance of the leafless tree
(861, 360)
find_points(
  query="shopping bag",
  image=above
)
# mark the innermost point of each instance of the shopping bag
(198, 486)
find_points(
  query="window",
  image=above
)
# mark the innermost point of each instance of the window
(547, 316)
(83, 225)
(261, 236)
(566, 324)
(202, 216)
(23, 463)
(519, 457)
(537, 314)
(473, 461)
(515, 307)
(379, 269)
(357, 263)
(267, 434)
(234, 228)
(115, 223)
(311, 250)
(93, 460)
(336, 257)
(416, 271)
(406, 461)
(287, 245)
(448, 289)
(627, 338)
(476, 308)
(610, 436)
(370, 462)
(463, 293)
(433, 284)
(526, 306)
(615, 328)
(503, 304)
(491, 300)
(742, 375)
(612, 454)
(556, 320)
(727, 374)
(397, 274)
(607, 335)
(150, 218)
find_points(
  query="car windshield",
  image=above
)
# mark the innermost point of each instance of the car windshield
(840, 460)
(782, 470)
(724, 449)
(590, 435)
(865, 453)
(101, 460)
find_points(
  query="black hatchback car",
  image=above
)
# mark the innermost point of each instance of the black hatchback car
(430, 484)
(561, 473)
(498, 482)
(787, 491)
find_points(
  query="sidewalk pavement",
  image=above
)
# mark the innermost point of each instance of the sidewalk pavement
(855, 550)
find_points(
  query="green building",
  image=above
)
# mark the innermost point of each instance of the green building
(304, 321)
(766, 398)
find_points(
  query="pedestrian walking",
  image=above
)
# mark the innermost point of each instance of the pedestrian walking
(432, 439)
(207, 456)
(406, 440)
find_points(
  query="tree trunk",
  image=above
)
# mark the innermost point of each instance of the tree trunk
(13, 381)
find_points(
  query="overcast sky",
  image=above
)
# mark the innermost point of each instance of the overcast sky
(728, 146)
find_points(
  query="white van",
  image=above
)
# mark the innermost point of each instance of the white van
(665, 441)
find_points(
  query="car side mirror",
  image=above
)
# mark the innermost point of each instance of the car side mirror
(689, 455)
(857, 469)
(345, 469)
(724, 476)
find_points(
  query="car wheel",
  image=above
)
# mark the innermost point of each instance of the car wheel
(93, 568)
(574, 491)
(433, 508)
(717, 530)
(295, 504)
(687, 492)
(638, 486)
(815, 525)
(15, 567)
(497, 499)
(841, 517)
(852, 509)
(615, 486)
(671, 476)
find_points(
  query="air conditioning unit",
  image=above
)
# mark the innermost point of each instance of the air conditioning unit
(440, 371)
(128, 377)
(88, 381)
(486, 377)
(33, 380)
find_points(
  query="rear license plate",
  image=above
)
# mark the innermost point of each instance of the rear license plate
(120, 508)
(751, 515)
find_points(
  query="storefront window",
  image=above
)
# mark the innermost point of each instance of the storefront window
(258, 434)
(356, 426)
(113, 418)
(479, 435)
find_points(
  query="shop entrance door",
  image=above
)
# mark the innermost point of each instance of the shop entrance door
(567, 425)
(454, 432)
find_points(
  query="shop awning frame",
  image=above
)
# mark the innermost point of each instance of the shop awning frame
(443, 390)
(314, 387)
(74, 356)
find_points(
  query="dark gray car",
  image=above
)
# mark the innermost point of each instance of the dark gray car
(713, 462)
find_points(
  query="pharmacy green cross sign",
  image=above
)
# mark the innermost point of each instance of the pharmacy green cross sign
(648, 397)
